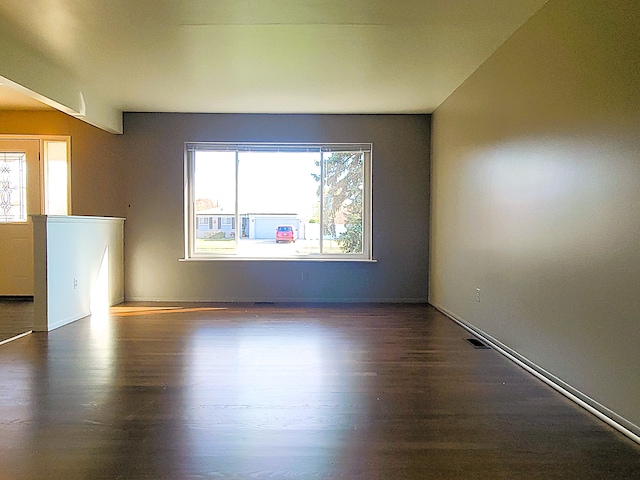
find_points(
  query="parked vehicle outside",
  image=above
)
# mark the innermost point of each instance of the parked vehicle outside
(285, 233)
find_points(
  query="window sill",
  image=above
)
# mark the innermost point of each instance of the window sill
(277, 259)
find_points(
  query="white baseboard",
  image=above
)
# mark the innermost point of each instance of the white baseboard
(277, 300)
(116, 301)
(67, 321)
(608, 416)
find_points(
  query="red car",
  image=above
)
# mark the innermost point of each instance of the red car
(285, 233)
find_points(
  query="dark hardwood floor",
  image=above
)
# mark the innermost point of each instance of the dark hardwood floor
(286, 392)
(16, 316)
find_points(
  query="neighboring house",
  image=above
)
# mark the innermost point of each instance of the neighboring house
(214, 223)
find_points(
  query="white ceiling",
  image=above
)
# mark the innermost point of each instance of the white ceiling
(265, 56)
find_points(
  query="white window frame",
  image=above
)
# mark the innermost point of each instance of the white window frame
(44, 180)
(190, 224)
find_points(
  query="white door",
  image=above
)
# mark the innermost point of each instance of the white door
(20, 196)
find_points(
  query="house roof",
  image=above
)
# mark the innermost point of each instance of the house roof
(219, 212)
(212, 211)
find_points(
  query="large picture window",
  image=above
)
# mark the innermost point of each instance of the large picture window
(278, 201)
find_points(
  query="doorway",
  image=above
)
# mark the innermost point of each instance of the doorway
(20, 196)
(34, 179)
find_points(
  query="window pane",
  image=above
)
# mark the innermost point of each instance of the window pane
(57, 175)
(343, 192)
(277, 189)
(214, 190)
(13, 187)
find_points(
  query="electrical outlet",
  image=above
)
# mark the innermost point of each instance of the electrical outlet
(477, 294)
(75, 283)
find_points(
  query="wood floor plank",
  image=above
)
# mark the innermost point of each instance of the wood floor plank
(16, 316)
(191, 391)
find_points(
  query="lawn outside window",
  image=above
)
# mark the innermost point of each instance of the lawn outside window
(238, 195)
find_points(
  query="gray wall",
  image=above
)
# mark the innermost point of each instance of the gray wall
(155, 233)
(536, 198)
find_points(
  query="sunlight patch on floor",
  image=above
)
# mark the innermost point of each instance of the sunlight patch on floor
(142, 311)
